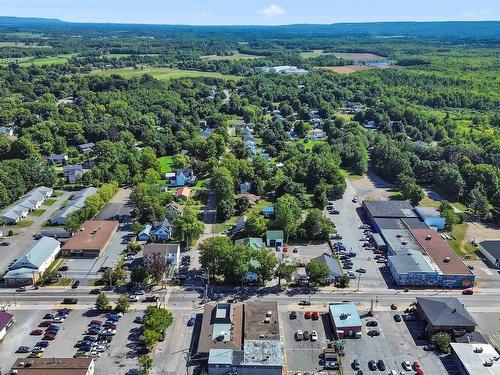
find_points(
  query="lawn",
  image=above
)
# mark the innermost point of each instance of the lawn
(359, 56)
(349, 175)
(63, 281)
(28, 61)
(166, 164)
(165, 73)
(234, 56)
(38, 212)
(24, 223)
(458, 243)
(49, 202)
(313, 53)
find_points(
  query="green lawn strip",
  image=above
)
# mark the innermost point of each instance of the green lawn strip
(64, 281)
(166, 164)
(458, 243)
(165, 73)
(24, 223)
(38, 212)
(349, 175)
(49, 202)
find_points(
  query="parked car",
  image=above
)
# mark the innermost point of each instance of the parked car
(381, 365)
(430, 348)
(315, 315)
(36, 332)
(42, 344)
(48, 316)
(307, 315)
(468, 291)
(397, 317)
(356, 365)
(314, 335)
(133, 298)
(23, 349)
(138, 319)
(306, 335)
(35, 355)
(305, 303)
(361, 270)
(45, 323)
(95, 291)
(373, 333)
(372, 365)
(406, 365)
(293, 315)
(75, 284)
(416, 365)
(299, 335)
(63, 268)
(351, 275)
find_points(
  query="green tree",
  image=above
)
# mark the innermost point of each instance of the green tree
(478, 203)
(102, 302)
(123, 304)
(187, 227)
(317, 272)
(150, 337)
(288, 214)
(344, 281)
(157, 319)
(139, 274)
(73, 222)
(222, 184)
(448, 212)
(442, 341)
(410, 190)
(285, 271)
(265, 264)
(146, 363)
(256, 225)
(316, 226)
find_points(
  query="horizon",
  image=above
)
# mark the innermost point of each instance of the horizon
(253, 13)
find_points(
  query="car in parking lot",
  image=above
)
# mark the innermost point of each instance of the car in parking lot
(306, 335)
(42, 344)
(45, 323)
(36, 332)
(351, 274)
(23, 349)
(381, 365)
(416, 365)
(133, 298)
(293, 315)
(314, 335)
(307, 315)
(314, 315)
(63, 268)
(372, 365)
(138, 319)
(361, 270)
(49, 316)
(348, 266)
(356, 365)
(299, 335)
(397, 317)
(49, 336)
(429, 348)
(191, 321)
(406, 365)
(373, 333)
(37, 349)
(35, 355)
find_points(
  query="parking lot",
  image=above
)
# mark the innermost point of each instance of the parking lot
(394, 345)
(305, 355)
(119, 357)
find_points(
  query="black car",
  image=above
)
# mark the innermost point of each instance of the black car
(293, 315)
(397, 317)
(42, 344)
(139, 319)
(372, 323)
(305, 303)
(63, 268)
(23, 349)
(5, 243)
(372, 365)
(307, 336)
(89, 338)
(70, 301)
(381, 365)
(75, 284)
(373, 333)
(49, 316)
(95, 291)
(356, 365)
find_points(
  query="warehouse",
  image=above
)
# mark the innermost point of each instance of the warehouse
(491, 250)
(476, 359)
(412, 269)
(387, 209)
(431, 216)
(92, 238)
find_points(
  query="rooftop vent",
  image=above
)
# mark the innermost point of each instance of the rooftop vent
(428, 237)
(269, 313)
(447, 260)
(478, 349)
(267, 320)
(399, 235)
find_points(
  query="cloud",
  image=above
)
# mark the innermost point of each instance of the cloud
(272, 10)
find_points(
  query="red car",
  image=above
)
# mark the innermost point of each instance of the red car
(37, 332)
(45, 323)
(110, 325)
(96, 322)
(468, 292)
(416, 365)
(49, 336)
(315, 315)
(307, 315)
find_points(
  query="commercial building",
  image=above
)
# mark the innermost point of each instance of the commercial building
(333, 266)
(476, 359)
(53, 366)
(345, 319)
(30, 267)
(242, 339)
(444, 314)
(431, 216)
(6, 321)
(387, 209)
(75, 202)
(491, 250)
(412, 268)
(92, 238)
(274, 238)
(169, 251)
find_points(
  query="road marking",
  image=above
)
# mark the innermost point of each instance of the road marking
(487, 271)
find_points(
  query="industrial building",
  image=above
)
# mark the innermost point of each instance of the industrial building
(387, 209)
(92, 238)
(431, 216)
(491, 250)
(53, 366)
(241, 339)
(345, 319)
(476, 359)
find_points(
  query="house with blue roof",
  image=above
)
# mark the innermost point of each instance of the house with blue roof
(268, 211)
(30, 267)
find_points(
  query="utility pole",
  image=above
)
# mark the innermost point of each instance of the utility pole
(359, 280)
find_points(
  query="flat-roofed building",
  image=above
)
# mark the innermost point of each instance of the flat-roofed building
(412, 268)
(92, 238)
(491, 250)
(53, 366)
(475, 358)
(345, 319)
(431, 216)
(6, 322)
(387, 209)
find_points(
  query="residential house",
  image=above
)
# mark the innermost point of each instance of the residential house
(274, 238)
(57, 159)
(268, 211)
(86, 147)
(161, 231)
(421, 144)
(205, 133)
(183, 193)
(183, 177)
(28, 202)
(251, 198)
(174, 209)
(317, 134)
(145, 234)
(169, 251)
(6, 321)
(14, 214)
(72, 172)
(74, 203)
(240, 223)
(245, 187)
(30, 267)
(333, 266)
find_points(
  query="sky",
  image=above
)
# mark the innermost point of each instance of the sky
(252, 12)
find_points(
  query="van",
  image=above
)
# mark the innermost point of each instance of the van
(70, 301)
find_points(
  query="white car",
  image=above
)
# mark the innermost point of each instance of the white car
(101, 348)
(139, 292)
(314, 336)
(58, 319)
(133, 298)
(351, 275)
(129, 257)
(406, 365)
(299, 335)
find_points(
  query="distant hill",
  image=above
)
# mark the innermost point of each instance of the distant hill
(454, 29)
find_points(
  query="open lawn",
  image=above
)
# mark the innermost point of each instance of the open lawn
(234, 56)
(313, 53)
(23, 224)
(349, 175)
(166, 164)
(459, 244)
(165, 73)
(38, 212)
(347, 69)
(49, 202)
(28, 61)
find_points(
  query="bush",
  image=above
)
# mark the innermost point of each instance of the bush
(442, 341)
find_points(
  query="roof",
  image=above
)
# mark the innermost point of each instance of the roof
(333, 264)
(389, 208)
(76, 201)
(473, 357)
(410, 262)
(345, 315)
(492, 247)
(93, 235)
(161, 248)
(400, 240)
(256, 325)
(183, 191)
(263, 353)
(52, 366)
(254, 242)
(176, 206)
(165, 223)
(269, 209)
(396, 223)
(5, 318)
(445, 311)
(43, 249)
(439, 251)
(220, 356)
(221, 327)
(274, 235)
(425, 212)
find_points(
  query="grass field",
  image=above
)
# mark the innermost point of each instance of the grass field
(313, 53)
(23, 224)
(166, 164)
(458, 243)
(234, 56)
(359, 56)
(38, 212)
(28, 61)
(49, 202)
(349, 175)
(165, 73)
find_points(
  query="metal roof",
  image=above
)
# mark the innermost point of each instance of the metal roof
(274, 235)
(38, 254)
(410, 262)
(425, 212)
(492, 247)
(400, 240)
(474, 356)
(389, 208)
(333, 264)
(220, 356)
(345, 315)
(445, 311)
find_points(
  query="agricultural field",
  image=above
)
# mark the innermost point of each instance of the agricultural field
(234, 56)
(164, 73)
(28, 61)
(348, 69)
(358, 56)
(313, 53)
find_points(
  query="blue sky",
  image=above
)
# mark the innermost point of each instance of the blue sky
(238, 12)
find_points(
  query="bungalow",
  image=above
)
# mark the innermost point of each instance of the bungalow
(28, 202)
(183, 177)
(174, 209)
(251, 198)
(274, 238)
(335, 271)
(183, 193)
(57, 158)
(268, 211)
(169, 251)
(72, 172)
(245, 187)
(161, 231)
(14, 214)
(86, 147)
(145, 234)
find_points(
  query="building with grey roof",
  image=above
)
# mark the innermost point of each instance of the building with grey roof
(444, 314)
(476, 359)
(74, 203)
(389, 209)
(30, 267)
(28, 202)
(399, 241)
(333, 266)
(412, 268)
(491, 250)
